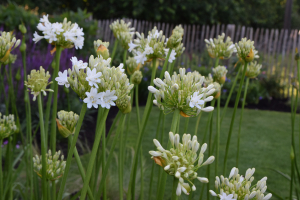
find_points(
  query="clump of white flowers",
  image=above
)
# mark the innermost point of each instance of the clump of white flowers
(66, 122)
(246, 50)
(123, 32)
(175, 43)
(7, 126)
(239, 187)
(220, 74)
(218, 48)
(97, 83)
(208, 80)
(182, 91)
(7, 43)
(101, 48)
(136, 77)
(37, 82)
(63, 34)
(145, 49)
(253, 69)
(55, 165)
(132, 66)
(182, 160)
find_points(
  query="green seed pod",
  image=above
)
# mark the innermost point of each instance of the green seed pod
(22, 28)
(18, 75)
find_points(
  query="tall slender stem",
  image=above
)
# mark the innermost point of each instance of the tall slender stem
(209, 153)
(165, 64)
(43, 147)
(218, 136)
(137, 106)
(186, 124)
(71, 150)
(175, 184)
(53, 191)
(240, 125)
(93, 155)
(48, 108)
(114, 49)
(292, 175)
(142, 175)
(208, 121)
(1, 173)
(124, 58)
(54, 107)
(229, 95)
(233, 116)
(131, 187)
(104, 197)
(120, 164)
(197, 123)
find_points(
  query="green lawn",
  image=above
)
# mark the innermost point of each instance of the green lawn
(265, 144)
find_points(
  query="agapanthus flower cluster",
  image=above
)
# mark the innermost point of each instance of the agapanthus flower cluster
(182, 91)
(123, 32)
(7, 44)
(220, 74)
(7, 126)
(145, 49)
(217, 48)
(253, 69)
(97, 83)
(63, 34)
(55, 165)
(208, 80)
(246, 50)
(182, 160)
(11, 59)
(175, 43)
(136, 77)
(239, 187)
(66, 122)
(101, 48)
(37, 82)
(132, 66)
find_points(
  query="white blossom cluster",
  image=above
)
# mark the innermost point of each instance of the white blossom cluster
(246, 50)
(96, 83)
(63, 34)
(66, 122)
(175, 41)
(154, 46)
(237, 187)
(182, 160)
(7, 44)
(7, 126)
(220, 74)
(123, 32)
(55, 166)
(218, 48)
(253, 69)
(182, 91)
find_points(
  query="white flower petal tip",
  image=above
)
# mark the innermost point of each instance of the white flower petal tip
(203, 179)
(212, 193)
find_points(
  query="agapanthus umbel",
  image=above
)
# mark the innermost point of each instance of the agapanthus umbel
(98, 83)
(123, 32)
(7, 126)
(101, 48)
(182, 160)
(55, 165)
(220, 74)
(246, 50)
(239, 187)
(63, 34)
(175, 39)
(136, 77)
(37, 82)
(145, 49)
(132, 66)
(7, 43)
(217, 48)
(11, 59)
(66, 122)
(253, 69)
(182, 91)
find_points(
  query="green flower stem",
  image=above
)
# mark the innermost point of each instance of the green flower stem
(113, 126)
(175, 120)
(93, 155)
(153, 163)
(233, 116)
(53, 191)
(298, 74)
(104, 197)
(48, 107)
(80, 167)
(110, 156)
(54, 107)
(137, 106)
(240, 125)
(165, 64)
(197, 123)
(217, 135)
(49, 190)
(1, 174)
(43, 147)
(114, 50)
(142, 175)
(292, 176)
(124, 58)
(171, 67)
(230, 93)
(209, 152)
(71, 150)
(131, 186)
(175, 184)
(186, 124)
(160, 170)
(121, 160)
(208, 121)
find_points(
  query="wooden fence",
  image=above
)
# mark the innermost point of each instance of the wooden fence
(276, 47)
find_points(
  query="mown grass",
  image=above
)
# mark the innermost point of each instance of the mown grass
(265, 145)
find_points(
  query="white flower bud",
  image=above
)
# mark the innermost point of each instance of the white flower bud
(178, 190)
(209, 160)
(203, 179)
(267, 197)
(155, 153)
(203, 148)
(152, 89)
(208, 109)
(212, 193)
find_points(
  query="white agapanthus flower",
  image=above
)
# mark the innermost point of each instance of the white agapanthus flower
(121, 67)
(62, 78)
(140, 57)
(61, 34)
(198, 101)
(107, 99)
(77, 64)
(131, 46)
(93, 77)
(93, 98)
(148, 50)
(224, 196)
(172, 55)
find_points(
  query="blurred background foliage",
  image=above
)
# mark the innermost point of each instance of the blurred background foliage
(254, 13)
